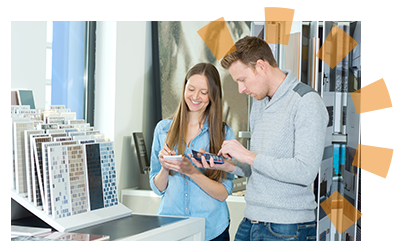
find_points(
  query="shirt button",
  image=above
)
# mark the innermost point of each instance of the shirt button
(185, 182)
(192, 145)
(186, 207)
(186, 195)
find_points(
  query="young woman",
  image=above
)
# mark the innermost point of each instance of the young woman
(196, 124)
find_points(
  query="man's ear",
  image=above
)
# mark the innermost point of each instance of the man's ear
(261, 64)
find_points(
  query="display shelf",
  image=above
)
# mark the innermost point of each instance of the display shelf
(78, 221)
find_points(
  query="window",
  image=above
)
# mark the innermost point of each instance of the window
(70, 66)
(49, 40)
(68, 57)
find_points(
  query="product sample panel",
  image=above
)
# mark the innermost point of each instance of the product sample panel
(77, 178)
(108, 174)
(94, 176)
(59, 182)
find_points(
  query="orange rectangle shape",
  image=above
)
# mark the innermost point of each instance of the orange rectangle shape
(277, 32)
(278, 23)
(278, 14)
(217, 37)
(336, 46)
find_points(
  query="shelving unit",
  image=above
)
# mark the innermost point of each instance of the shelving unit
(75, 222)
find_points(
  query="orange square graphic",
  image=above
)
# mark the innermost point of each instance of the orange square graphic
(341, 212)
(277, 32)
(217, 37)
(278, 14)
(336, 46)
(278, 23)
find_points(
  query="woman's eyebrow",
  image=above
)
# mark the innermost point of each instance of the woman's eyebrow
(190, 85)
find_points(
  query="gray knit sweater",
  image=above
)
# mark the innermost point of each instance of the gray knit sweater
(287, 134)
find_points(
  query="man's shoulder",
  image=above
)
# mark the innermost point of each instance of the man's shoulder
(303, 89)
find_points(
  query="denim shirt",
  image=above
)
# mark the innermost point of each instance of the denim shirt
(183, 197)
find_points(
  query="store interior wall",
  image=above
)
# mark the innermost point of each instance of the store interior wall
(122, 98)
(28, 58)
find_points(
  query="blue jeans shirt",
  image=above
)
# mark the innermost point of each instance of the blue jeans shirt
(183, 197)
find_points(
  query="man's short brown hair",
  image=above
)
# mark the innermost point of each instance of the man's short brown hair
(249, 49)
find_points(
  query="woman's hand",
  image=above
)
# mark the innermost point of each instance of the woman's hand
(164, 151)
(184, 166)
(161, 179)
(228, 165)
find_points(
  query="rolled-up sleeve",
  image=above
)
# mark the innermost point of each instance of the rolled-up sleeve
(229, 135)
(155, 165)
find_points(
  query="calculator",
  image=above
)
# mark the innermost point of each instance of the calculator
(217, 159)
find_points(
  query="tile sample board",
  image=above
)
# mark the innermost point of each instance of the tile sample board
(46, 176)
(77, 179)
(59, 182)
(27, 140)
(95, 183)
(37, 169)
(19, 155)
(108, 174)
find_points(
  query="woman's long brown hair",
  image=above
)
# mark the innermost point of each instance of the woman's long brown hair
(177, 135)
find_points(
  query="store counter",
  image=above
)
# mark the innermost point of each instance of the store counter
(150, 228)
(137, 227)
(147, 202)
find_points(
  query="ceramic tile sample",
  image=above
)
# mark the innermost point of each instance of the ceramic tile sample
(59, 182)
(19, 155)
(14, 118)
(55, 119)
(95, 187)
(26, 97)
(45, 162)
(65, 138)
(27, 140)
(77, 179)
(37, 155)
(108, 174)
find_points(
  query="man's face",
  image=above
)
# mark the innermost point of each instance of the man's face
(250, 81)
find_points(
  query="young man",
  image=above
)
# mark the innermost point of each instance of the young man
(288, 123)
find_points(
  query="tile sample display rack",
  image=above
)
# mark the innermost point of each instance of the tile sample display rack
(74, 222)
(53, 180)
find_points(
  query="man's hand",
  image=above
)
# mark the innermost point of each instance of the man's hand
(234, 149)
(228, 165)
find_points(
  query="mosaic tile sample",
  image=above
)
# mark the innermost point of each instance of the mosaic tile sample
(94, 176)
(27, 140)
(59, 182)
(14, 118)
(19, 155)
(86, 141)
(77, 179)
(37, 155)
(76, 121)
(68, 142)
(49, 126)
(46, 175)
(55, 119)
(65, 138)
(54, 135)
(108, 174)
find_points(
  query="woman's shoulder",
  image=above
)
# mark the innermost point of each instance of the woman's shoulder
(226, 126)
(164, 124)
(229, 134)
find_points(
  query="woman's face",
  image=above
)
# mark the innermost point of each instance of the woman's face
(196, 93)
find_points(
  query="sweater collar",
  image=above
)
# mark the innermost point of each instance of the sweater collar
(287, 84)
